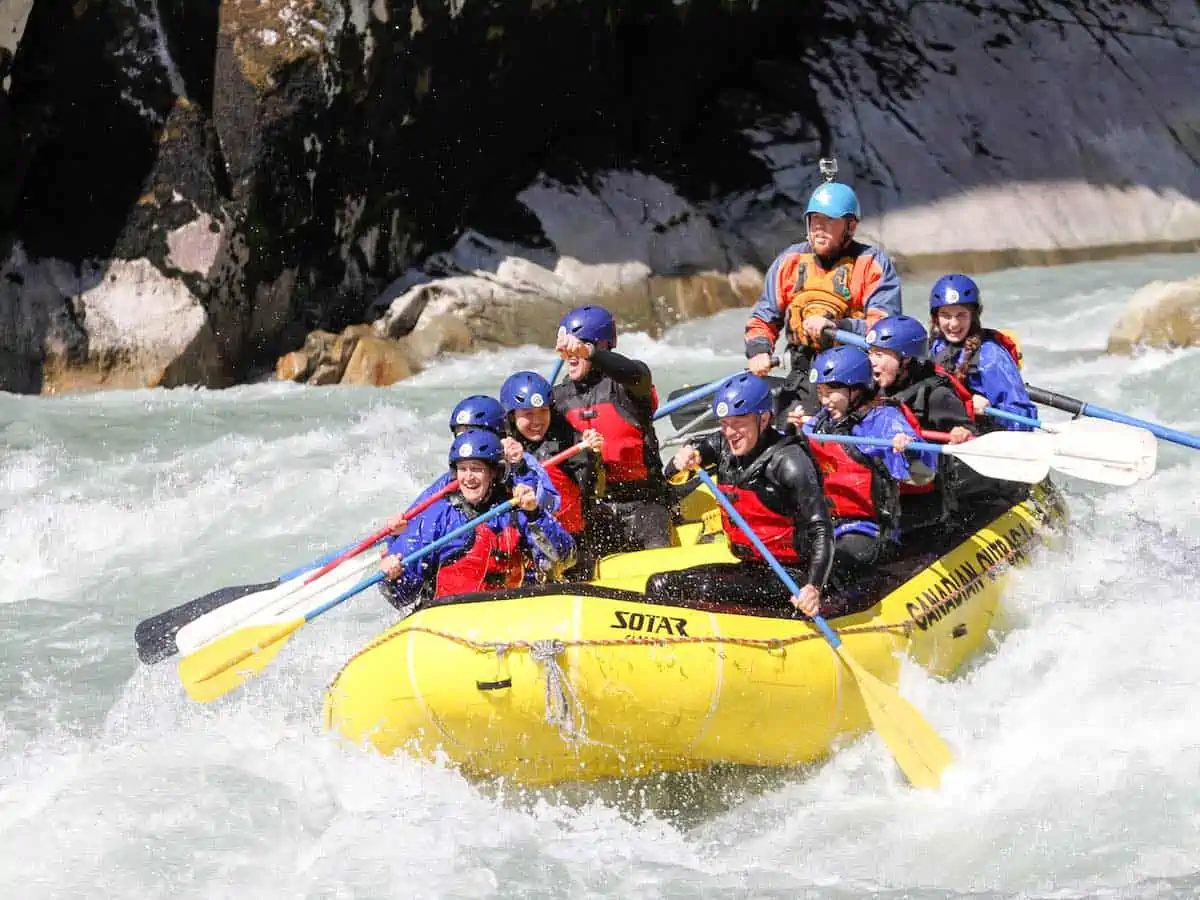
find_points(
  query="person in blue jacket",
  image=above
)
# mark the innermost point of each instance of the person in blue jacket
(985, 360)
(495, 554)
(480, 411)
(861, 483)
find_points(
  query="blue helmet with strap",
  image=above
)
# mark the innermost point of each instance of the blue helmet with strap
(525, 390)
(835, 200)
(477, 411)
(950, 290)
(593, 324)
(476, 444)
(901, 334)
(741, 395)
(842, 365)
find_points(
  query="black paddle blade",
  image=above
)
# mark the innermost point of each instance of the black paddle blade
(155, 637)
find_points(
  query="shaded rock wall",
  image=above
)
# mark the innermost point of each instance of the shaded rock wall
(233, 174)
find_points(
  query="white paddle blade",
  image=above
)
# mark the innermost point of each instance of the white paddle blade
(270, 606)
(1007, 455)
(1105, 452)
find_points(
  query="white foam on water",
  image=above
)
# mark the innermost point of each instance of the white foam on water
(1078, 753)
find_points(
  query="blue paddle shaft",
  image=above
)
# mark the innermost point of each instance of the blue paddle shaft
(788, 581)
(1167, 434)
(705, 390)
(872, 442)
(1074, 407)
(854, 340)
(412, 557)
(1012, 417)
(558, 367)
(303, 570)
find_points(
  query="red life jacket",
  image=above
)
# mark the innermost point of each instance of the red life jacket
(849, 480)
(776, 531)
(628, 432)
(492, 560)
(570, 513)
(855, 484)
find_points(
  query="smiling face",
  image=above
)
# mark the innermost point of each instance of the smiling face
(578, 368)
(954, 322)
(532, 424)
(742, 432)
(835, 398)
(475, 479)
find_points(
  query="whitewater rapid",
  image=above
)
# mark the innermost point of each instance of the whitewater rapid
(1077, 740)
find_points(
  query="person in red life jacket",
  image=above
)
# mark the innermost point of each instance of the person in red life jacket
(536, 428)
(494, 555)
(615, 396)
(480, 411)
(932, 400)
(861, 482)
(772, 481)
(830, 279)
(988, 362)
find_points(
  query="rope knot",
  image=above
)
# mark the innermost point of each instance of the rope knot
(562, 711)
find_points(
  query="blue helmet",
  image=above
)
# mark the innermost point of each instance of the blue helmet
(477, 411)
(842, 365)
(525, 390)
(476, 444)
(742, 394)
(903, 334)
(834, 200)
(593, 324)
(952, 289)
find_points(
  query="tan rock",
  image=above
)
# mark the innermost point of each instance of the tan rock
(377, 362)
(1160, 314)
(294, 366)
(326, 373)
(434, 336)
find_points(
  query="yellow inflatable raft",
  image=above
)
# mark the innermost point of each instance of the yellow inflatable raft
(569, 682)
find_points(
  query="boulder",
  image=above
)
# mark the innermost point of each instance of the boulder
(672, 266)
(1164, 314)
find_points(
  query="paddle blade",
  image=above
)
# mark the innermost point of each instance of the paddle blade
(919, 750)
(1105, 452)
(1007, 455)
(155, 637)
(224, 665)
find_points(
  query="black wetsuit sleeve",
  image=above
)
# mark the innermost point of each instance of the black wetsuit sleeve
(710, 453)
(946, 411)
(632, 374)
(794, 473)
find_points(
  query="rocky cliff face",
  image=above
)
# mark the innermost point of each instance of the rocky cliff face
(189, 187)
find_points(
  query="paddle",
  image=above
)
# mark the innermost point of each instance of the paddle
(700, 393)
(158, 637)
(1095, 449)
(920, 752)
(1075, 407)
(1005, 455)
(224, 664)
(1082, 408)
(155, 636)
(554, 373)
